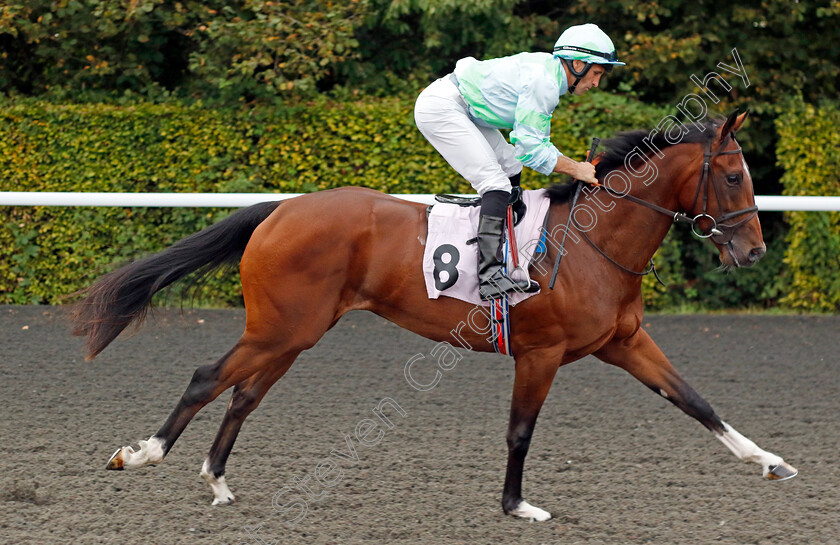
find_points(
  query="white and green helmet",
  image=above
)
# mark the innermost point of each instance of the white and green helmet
(586, 43)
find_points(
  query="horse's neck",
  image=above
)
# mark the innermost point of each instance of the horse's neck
(629, 232)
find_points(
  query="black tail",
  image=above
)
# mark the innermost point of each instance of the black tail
(124, 296)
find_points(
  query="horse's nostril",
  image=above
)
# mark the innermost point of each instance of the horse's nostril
(757, 253)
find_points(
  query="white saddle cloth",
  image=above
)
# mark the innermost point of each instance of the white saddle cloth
(450, 265)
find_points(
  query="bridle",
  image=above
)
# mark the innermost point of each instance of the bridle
(720, 232)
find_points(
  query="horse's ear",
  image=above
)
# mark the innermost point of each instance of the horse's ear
(733, 123)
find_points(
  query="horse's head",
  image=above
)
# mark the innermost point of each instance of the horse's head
(722, 200)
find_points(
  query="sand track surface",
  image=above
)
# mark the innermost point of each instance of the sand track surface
(612, 462)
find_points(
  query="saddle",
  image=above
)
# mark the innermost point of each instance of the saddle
(516, 200)
(450, 258)
(457, 199)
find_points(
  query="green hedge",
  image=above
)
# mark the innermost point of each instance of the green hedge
(809, 152)
(49, 252)
(52, 251)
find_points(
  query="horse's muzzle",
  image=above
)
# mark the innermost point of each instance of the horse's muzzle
(733, 257)
(756, 254)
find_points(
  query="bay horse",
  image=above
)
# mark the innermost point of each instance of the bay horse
(307, 261)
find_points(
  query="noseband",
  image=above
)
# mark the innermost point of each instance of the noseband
(720, 232)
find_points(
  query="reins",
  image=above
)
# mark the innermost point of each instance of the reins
(719, 232)
(579, 185)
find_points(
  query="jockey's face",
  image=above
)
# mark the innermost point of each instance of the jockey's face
(591, 79)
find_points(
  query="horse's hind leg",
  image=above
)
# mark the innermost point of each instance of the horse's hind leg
(246, 397)
(207, 383)
(640, 356)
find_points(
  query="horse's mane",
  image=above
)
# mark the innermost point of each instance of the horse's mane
(621, 145)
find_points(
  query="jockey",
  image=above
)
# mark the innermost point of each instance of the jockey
(461, 113)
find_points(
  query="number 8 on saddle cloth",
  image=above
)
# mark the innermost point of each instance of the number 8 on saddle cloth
(450, 258)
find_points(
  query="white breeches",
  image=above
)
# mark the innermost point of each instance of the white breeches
(481, 155)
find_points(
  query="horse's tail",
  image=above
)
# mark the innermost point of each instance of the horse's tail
(124, 296)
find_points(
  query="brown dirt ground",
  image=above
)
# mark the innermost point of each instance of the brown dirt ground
(611, 461)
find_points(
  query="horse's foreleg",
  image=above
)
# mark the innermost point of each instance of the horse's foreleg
(640, 356)
(246, 397)
(207, 383)
(534, 374)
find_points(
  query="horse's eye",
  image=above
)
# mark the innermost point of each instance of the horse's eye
(733, 179)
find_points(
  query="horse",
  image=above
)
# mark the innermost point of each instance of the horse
(306, 261)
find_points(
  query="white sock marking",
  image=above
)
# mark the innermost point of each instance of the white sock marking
(746, 450)
(151, 452)
(528, 511)
(221, 492)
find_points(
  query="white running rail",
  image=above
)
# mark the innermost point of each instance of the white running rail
(765, 203)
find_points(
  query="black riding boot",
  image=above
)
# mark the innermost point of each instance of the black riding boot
(492, 282)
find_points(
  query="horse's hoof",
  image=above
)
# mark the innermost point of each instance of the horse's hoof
(527, 511)
(229, 500)
(117, 460)
(781, 472)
